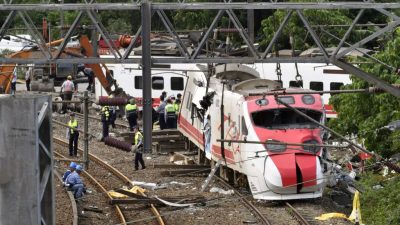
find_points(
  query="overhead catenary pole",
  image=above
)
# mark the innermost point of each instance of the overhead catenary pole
(146, 73)
(85, 130)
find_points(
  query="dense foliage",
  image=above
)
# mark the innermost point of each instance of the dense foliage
(380, 205)
(364, 114)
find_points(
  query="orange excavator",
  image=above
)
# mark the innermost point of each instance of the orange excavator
(85, 49)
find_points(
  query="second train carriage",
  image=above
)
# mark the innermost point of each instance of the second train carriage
(172, 78)
(274, 171)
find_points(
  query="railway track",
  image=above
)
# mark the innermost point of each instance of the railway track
(100, 187)
(118, 174)
(296, 215)
(246, 202)
(72, 202)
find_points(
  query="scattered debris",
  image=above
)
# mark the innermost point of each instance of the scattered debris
(185, 172)
(221, 191)
(93, 209)
(150, 186)
(377, 187)
(179, 183)
(174, 204)
(249, 221)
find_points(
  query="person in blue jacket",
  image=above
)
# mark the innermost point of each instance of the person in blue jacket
(71, 169)
(75, 182)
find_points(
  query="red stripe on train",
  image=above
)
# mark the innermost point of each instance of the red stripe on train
(196, 134)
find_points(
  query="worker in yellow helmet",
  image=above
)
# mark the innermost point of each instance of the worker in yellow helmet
(138, 148)
(73, 135)
(131, 113)
(170, 115)
(105, 120)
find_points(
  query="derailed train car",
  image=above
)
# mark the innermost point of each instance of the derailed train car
(233, 107)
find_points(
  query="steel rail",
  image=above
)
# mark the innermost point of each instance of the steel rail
(94, 181)
(246, 202)
(117, 173)
(73, 203)
(292, 211)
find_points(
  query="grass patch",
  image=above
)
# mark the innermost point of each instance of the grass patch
(382, 206)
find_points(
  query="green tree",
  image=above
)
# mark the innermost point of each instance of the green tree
(364, 114)
(319, 19)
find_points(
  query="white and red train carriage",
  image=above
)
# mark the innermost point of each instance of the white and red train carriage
(274, 171)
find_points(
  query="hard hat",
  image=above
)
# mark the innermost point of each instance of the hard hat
(72, 165)
(132, 101)
(69, 77)
(72, 114)
(79, 168)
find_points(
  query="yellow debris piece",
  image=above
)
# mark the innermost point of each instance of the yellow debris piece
(134, 189)
(328, 216)
(355, 215)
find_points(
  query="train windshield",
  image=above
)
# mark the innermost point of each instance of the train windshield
(284, 118)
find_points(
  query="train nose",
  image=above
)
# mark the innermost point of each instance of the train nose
(293, 173)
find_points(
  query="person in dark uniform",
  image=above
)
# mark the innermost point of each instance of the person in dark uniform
(137, 149)
(161, 113)
(131, 113)
(105, 120)
(170, 115)
(73, 135)
(113, 113)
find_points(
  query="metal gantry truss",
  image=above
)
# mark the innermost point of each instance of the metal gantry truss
(222, 8)
(149, 10)
(229, 9)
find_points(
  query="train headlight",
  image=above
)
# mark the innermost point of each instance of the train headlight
(308, 99)
(262, 102)
(311, 149)
(275, 146)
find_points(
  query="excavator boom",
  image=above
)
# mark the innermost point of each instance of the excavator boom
(85, 50)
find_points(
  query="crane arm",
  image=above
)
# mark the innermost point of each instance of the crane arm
(106, 80)
(6, 71)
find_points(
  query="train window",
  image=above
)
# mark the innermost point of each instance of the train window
(244, 127)
(280, 82)
(177, 83)
(286, 99)
(295, 83)
(284, 118)
(158, 83)
(336, 86)
(316, 86)
(138, 82)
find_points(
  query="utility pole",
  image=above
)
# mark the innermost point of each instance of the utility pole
(250, 22)
(146, 73)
